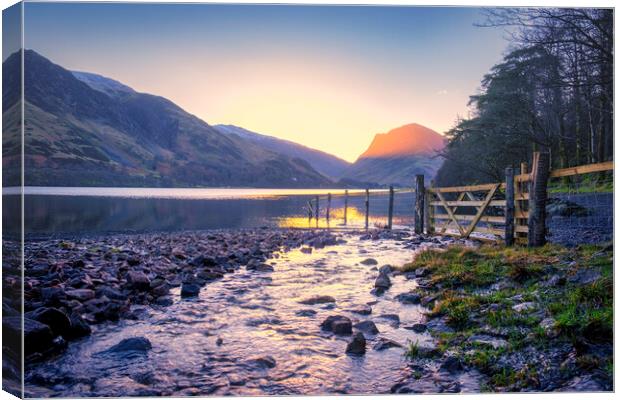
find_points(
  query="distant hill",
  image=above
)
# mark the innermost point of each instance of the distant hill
(83, 129)
(394, 158)
(327, 164)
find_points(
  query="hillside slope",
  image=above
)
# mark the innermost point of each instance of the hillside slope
(394, 158)
(94, 131)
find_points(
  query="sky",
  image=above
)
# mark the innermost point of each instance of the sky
(329, 77)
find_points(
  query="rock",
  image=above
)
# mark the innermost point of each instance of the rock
(318, 300)
(57, 320)
(305, 313)
(38, 337)
(385, 269)
(439, 325)
(521, 307)
(418, 328)
(408, 298)
(421, 272)
(261, 267)
(452, 364)
(138, 280)
(584, 383)
(393, 318)
(81, 294)
(164, 301)
(190, 290)
(585, 276)
(367, 327)
(135, 344)
(369, 261)
(383, 282)
(362, 310)
(264, 362)
(236, 380)
(549, 327)
(496, 343)
(219, 341)
(79, 327)
(554, 280)
(306, 250)
(385, 343)
(111, 293)
(338, 324)
(53, 295)
(357, 345)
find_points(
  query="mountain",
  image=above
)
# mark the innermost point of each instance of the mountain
(394, 158)
(327, 164)
(83, 129)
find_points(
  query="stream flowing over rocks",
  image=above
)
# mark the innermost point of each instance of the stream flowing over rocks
(224, 312)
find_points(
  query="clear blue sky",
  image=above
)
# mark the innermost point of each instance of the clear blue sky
(326, 76)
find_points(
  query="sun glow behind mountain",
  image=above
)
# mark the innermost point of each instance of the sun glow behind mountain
(326, 77)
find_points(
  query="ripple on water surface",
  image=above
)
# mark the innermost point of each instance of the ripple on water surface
(225, 341)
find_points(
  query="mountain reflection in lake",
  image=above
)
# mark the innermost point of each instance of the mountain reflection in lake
(103, 210)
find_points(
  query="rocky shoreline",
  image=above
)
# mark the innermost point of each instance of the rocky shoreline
(71, 285)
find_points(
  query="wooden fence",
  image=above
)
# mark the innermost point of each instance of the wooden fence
(513, 210)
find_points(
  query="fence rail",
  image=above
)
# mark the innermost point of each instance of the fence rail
(513, 210)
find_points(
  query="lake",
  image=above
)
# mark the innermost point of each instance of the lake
(69, 211)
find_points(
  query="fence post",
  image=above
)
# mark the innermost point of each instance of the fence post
(316, 210)
(428, 213)
(367, 206)
(419, 204)
(346, 205)
(509, 234)
(538, 200)
(329, 206)
(391, 207)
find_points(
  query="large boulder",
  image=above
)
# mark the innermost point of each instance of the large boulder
(38, 337)
(367, 327)
(383, 282)
(190, 290)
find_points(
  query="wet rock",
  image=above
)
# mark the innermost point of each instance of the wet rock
(53, 295)
(337, 324)
(138, 280)
(527, 306)
(219, 341)
(190, 290)
(439, 325)
(305, 313)
(418, 328)
(394, 319)
(318, 300)
(408, 298)
(111, 293)
(383, 282)
(306, 250)
(357, 345)
(367, 327)
(236, 380)
(164, 301)
(160, 290)
(362, 310)
(57, 320)
(451, 364)
(260, 267)
(385, 343)
(264, 362)
(135, 344)
(81, 294)
(369, 261)
(385, 269)
(79, 327)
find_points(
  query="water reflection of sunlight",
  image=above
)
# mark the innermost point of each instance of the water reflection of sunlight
(354, 218)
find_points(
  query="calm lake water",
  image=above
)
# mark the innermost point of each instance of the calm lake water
(58, 211)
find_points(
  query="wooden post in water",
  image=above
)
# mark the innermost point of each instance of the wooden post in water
(509, 232)
(346, 205)
(367, 207)
(329, 206)
(391, 207)
(538, 200)
(419, 204)
(316, 210)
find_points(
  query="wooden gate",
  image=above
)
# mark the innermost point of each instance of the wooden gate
(480, 198)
